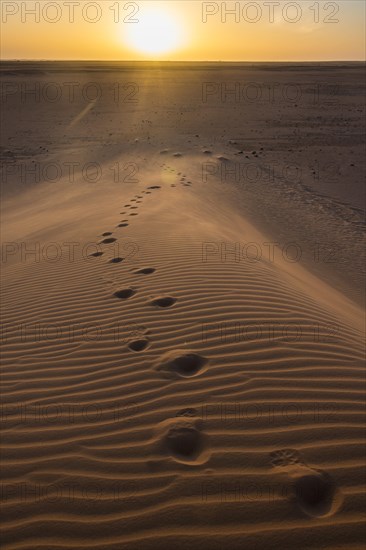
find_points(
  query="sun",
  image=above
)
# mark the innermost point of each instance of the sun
(156, 32)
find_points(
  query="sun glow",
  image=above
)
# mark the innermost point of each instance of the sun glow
(157, 32)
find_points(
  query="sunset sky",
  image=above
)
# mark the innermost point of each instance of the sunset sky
(184, 30)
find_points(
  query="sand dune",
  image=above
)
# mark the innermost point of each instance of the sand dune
(163, 389)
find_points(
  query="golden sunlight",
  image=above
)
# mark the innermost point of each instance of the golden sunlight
(156, 32)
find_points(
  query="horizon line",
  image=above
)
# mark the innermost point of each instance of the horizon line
(184, 60)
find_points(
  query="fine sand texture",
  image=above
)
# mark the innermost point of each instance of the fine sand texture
(183, 320)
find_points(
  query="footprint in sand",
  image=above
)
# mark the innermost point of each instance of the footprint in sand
(109, 240)
(97, 254)
(107, 234)
(122, 225)
(314, 491)
(163, 301)
(134, 214)
(182, 438)
(184, 442)
(180, 364)
(145, 271)
(134, 207)
(125, 293)
(116, 260)
(155, 187)
(138, 345)
(126, 206)
(316, 494)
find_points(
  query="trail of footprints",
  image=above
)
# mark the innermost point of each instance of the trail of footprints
(108, 237)
(160, 302)
(183, 180)
(313, 491)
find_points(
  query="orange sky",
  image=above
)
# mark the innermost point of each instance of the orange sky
(183, 30)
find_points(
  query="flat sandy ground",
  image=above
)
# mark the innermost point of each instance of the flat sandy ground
(183, 272)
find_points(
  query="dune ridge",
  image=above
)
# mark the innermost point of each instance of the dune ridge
(194, 401)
